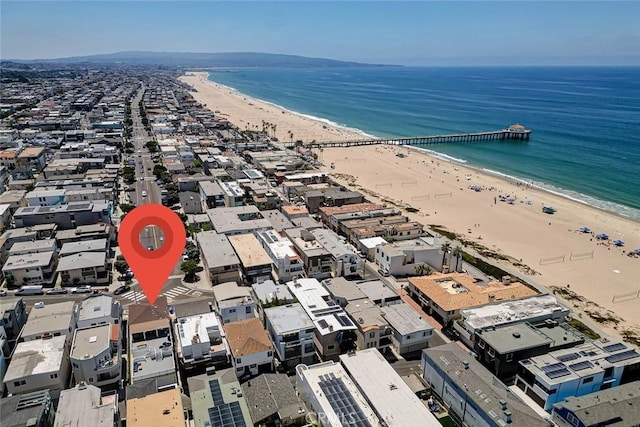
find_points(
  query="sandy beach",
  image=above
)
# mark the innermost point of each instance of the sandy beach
(550, 248)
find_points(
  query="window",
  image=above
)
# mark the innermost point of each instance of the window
(19, 383)
(372, 334)
(331, 347)
(53, 376)
(481, 344)
(238, 360)
(233, 310)
(572, 419)
(248, 310)
(509, 357)
(587, 380)
(409, 336)
(270, 354)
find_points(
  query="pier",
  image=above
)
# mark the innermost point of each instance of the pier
(512, 133)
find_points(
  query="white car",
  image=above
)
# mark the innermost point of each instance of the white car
(144, 194)
(39, 304)
(81, 290)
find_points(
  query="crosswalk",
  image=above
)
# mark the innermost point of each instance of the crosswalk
(171, 294)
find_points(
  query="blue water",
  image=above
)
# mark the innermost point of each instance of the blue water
(585, 122)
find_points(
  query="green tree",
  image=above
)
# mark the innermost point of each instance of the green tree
(158, 170)
(445, 248)
(190, 268)
(457, 252)
(121, 266)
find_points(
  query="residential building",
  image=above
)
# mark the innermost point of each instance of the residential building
(217, 400)
(617, 407)
(190, 202)
(333, 397)
(96, 355)
(5, 215)
(327, 212)
(334, 331)
(412, 257)
(237, 220)
(150, 345)
(590, 367)
(286, 261)
(535, 309)
(218, 257)
(96, 310)
(345, 262)
(88, 268)
(27, 410)
(67, 216)
(277, 219)
(444, 295)
(251, 348)
(35, 246)
(39, 197)
(83, 405)
(233, 302)
(200, 340)
(70, 248)
(373, 330)
(318, 262)
(256, 263)
(368, 246)
(31, 269)
(389, 396)
(395, 227)
(14, 317)
(39, 365)
(472, 394)
(272, 400)
(269, 293)
(292, 333)
(411, 332)
(211, 194)
(232, 193)
(500, 349)
(86, 233)
(162, 409)
(52, 320)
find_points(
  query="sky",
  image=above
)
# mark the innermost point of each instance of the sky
(408, 33)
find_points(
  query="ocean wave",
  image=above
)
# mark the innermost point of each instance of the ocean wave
(297, 113)
(575, 196)
(440, 156)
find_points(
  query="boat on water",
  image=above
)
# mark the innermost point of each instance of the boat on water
(548, 209)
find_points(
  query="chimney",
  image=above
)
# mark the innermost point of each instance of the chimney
(506, 416)
(503, 404)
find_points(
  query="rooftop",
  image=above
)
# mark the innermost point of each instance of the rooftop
(36, 357)
(194, 329)
(480, 386)
(249, 250)
(97, 306)
(144, 316)
(163, 409)
(404, 319)
(272, 395)
(331, 242)
(21, 409)
(231, 292)
(90, 342)
(335, 393)
(30, 260)
(456, 291)
(216, 250)
(391, 398)
(288, 318)
(83, 406)
(247, 337)
(237, 219)
(82, 260)
(618, 406)
(97, 245)
(50, 318)
(268, 291)
(339, 287)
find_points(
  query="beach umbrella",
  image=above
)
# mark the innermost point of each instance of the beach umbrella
(585, 230)
(618, 242)
(602, 236)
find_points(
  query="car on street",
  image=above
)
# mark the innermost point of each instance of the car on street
(165, 344)
(39, 304)
(57, 291)
(81, 290)
(149, 248)
(3, 292)
(122, 289)
(144, 193)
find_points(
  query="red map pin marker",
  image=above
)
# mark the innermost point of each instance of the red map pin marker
(152, 267)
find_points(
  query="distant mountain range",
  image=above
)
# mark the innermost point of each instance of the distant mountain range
(201, 60)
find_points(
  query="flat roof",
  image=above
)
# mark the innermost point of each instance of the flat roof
(216, 249)
(163, 409)
(97, 306)
(341, 287)
(277, 219)
(372, 242)
(249, 250)
(83, 406)
(230, 291)
(272, 395)
(391, 398)
(604, 406)
(19, 410)
(46, 245)
(191, 326)
(95, 245)
(404, 319)
(268, 291)
(288, 318)
(50, 318)
(331, 242)
(479, 385)
(36, 357)
(335, 393)
(152, 360)
(240, 218)
(30, 260)
(247, 337)
(90, 342)
(82, 260)
(376, 290)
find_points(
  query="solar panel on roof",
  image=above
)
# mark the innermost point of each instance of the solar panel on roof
(619, 357)
(216, 393)
(344, 320)
(614, 347)
(227, 415)
(552, 367)
(558, 373)
(581, 365)
(568, 357)
(342, 401)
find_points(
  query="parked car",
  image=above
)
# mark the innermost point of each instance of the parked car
(57, 291)
(39, 304)
(122, 289)
(81, 290)
(165, 344)
(144, 193)
(3, 292)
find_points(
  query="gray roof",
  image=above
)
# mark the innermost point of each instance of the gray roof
(479, 385)
(341, 287)
(91, 341)
(267, 291)
(82, 260)
(602, 407)
(191, 306)
(17, 262)
(51, 317)
(289, 318)
(376, 290)
(82, 406)
(230, 291)
(18, 410)
(514, 338)
(271, 394)
(216, 249)
(278, 221)
(97, 245)
(236, 219)
(96, 306)
(404, 319)
(331, 242)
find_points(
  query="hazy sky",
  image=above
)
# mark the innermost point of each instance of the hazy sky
(413, 33)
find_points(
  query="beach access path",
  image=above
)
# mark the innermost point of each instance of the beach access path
(550, 245)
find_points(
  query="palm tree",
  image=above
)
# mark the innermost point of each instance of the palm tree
(273, 126)
(457, 252)
(445, 248)
(423, 269)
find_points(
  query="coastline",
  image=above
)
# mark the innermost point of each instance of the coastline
(439, 189)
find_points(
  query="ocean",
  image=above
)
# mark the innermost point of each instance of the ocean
(585, 121)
